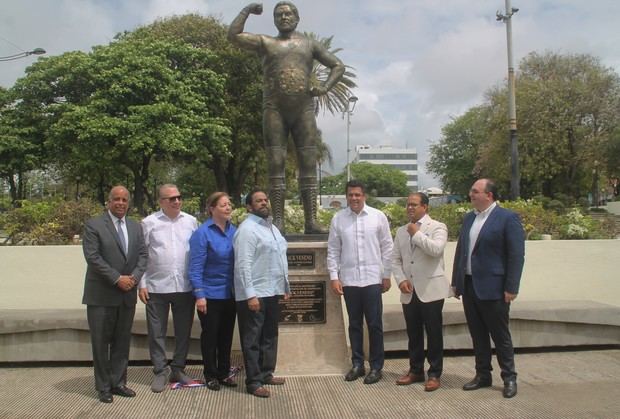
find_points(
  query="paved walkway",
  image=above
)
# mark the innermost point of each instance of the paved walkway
(578, 384)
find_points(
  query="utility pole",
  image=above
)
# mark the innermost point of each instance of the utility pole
(349, 111)
(515, 177)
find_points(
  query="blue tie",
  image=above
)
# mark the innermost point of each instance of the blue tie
(121, 236)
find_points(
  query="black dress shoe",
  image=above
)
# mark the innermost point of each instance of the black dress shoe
(373, 376)
(355, 373)
(213, 385)
(477, 382)
(123, 391)
(105, 397)
(510, 389)
(227, 382)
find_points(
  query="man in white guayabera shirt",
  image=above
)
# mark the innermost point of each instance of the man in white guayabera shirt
(359, 254)
(165, 286)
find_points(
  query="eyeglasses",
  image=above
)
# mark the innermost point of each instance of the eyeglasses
(172, 198)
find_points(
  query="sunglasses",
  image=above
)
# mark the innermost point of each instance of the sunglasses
(172, 198)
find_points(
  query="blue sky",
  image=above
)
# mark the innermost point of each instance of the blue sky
(418, 62)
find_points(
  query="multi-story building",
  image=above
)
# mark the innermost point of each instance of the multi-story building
(404, 159)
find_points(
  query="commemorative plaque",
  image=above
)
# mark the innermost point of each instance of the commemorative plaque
(300, 260)
(306, 305)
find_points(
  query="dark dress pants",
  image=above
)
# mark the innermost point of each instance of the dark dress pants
(157, 310)
(218, 325)
(420, 316)
(110, 334)
(259, 340)
(365, 302)
(489, 318)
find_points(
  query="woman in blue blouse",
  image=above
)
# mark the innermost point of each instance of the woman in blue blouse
(211, 267)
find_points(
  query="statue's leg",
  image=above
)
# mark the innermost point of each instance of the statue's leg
(305, 136)
(275, 134)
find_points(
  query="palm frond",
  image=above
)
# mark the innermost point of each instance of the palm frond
(336, 100)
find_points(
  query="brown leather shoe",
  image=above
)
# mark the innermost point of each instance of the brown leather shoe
(410, 378)
(261, 392)
(275, 381)
(432, 384)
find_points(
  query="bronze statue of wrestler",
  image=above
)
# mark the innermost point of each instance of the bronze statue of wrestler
(288, 104)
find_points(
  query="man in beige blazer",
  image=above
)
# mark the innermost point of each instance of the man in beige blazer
(418, 269)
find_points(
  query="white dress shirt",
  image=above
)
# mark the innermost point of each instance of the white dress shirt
(481, 218)
(359, 247)
(168, 243)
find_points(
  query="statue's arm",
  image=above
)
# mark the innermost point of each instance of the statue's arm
(235, 31)
(329, 60)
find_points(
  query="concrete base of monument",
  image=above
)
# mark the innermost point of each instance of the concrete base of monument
(311, 336)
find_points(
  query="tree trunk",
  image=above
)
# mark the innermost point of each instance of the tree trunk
(572, 187)
(21, 185)
(101, 192)
(140, 176)
(12, 188)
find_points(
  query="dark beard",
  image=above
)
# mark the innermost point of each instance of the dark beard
(262, 212)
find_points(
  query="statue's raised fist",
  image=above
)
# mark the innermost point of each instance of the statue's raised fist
(256, 8)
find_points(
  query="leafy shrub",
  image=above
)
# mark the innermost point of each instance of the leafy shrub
(294, 219)
(556, 206)
(583, 203)
(238, 215)
(5, 204)
(566, 200)
(452, 216)
(575, 225)
(47, 222)
(535, 218)
(396, 215)
(56, 222)
(70, 216)
(374, 202)
(191, 205)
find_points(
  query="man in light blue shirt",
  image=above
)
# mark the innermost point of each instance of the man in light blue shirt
(261, 277)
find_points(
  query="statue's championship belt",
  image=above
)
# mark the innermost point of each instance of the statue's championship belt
(290, 81)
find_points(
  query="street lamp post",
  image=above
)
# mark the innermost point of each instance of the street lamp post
(595, 191)
(512, 109)
(36, 51)
(349, 112)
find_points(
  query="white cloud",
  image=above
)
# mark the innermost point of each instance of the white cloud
(156, 9)
(418, 62)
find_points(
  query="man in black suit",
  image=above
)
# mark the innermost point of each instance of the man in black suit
(116, 257)
(487, 271)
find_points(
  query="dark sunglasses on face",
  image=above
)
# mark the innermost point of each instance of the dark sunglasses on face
(172, 198)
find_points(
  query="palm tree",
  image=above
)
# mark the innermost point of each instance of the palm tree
(323, 154)
(337, 98)
(323, 151)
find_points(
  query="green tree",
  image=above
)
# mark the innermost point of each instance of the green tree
(454, 159)
(241, 99)
(21, 141)
(568, 109)
(378, 179)
(149, 100)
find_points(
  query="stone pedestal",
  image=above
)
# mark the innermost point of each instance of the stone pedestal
(307, 346)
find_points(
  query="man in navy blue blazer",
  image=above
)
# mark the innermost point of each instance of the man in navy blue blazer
(487, 272)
